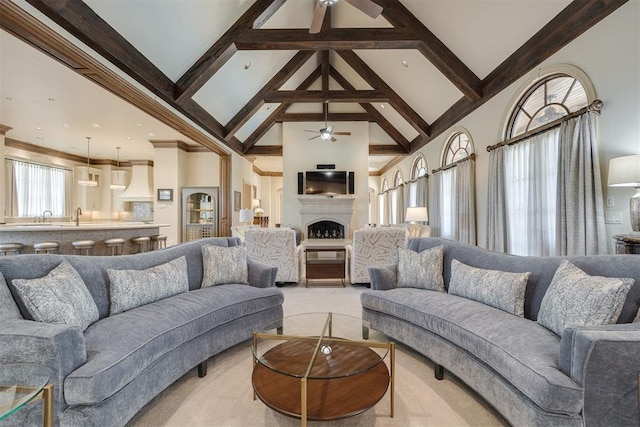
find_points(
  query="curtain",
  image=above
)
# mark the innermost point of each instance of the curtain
(383, 217)
(32, 189)
(416, 192)
(496, 236)
(465, 202)
(580, 228)
(434, 204)
(396, 204)
(531, 176)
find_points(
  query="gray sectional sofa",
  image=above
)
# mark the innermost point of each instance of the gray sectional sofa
(105, 374)
(532, 376)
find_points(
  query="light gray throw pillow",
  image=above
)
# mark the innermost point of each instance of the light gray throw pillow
(499, 289)
(421, 270)
(224, 265)
(59, 297)
(132, 288)
(575, 298)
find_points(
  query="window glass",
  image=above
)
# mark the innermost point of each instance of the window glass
(419, 167)
(458, 147)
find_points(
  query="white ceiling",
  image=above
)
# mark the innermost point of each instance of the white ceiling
(173, 34)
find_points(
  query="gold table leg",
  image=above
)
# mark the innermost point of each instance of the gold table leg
(303, 402)
(47, 405)
(392, 377)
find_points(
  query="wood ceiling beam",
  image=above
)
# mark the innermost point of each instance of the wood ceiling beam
(223, 49)
(377, 116)
(265, 150)
(571, 22)
(271, 120)
(257, 101)
(336, 38)
(374, 80)
(433, 49)
(82, 22)
(386, 150)
(306, 96)
(319, 117)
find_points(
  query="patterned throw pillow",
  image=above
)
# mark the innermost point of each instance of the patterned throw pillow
(59, 297)
(421, 270)
(224, 265)
(575, 298)
(132, 288)
(499, 289)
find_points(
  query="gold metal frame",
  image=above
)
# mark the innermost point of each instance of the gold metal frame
(46, 394)
(390, 346)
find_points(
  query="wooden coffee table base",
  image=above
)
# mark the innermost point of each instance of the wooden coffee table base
(327, 399)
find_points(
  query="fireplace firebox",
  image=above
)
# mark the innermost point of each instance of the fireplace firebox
(325, 230)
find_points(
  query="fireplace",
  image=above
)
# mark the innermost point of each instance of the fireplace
(325, 230)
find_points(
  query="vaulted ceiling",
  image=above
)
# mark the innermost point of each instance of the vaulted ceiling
(237, 69)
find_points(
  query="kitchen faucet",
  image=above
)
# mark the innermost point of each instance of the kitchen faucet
(78, 213)
(50, 213)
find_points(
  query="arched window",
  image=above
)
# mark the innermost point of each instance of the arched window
(419, 167)
(555, 96)
(397, 178)
(458, 147)
(385, 185)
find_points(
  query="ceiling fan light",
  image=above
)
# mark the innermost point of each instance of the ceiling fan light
(328, 2)
(325, 134)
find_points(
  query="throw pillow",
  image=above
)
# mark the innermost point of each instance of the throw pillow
(59, 297)
(132, 288)
(575, 298)
(499, 289)
(421, 270)
(224, 265)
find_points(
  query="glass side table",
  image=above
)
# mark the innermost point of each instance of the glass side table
(22, 383)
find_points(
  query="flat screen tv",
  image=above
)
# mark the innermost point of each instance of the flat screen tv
(325, 182)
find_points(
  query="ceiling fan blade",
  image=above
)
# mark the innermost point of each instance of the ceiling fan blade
(333, 139)
(312, 131)
(342, 133)
(366, 6)
(313, 137)
(318, 17)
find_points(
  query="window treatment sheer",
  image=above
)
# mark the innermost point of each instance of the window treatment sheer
(416, 192)
(545, 193)
(452, 205)
(31, 189)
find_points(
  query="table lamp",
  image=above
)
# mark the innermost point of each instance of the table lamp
(625, 172)
(246, 216)
(415, 214)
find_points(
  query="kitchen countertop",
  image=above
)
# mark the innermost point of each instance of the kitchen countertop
(71, 226)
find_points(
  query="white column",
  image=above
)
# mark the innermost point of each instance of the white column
(3, 130)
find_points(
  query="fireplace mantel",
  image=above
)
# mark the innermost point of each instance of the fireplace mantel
(326, 208)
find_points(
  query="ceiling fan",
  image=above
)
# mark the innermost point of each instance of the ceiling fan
(366, 6)
(326, 133)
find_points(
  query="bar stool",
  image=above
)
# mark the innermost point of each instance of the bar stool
(83, 247)
(141, 244)
(113, 245)
(11, 248)
(45, 247)
(159, 241)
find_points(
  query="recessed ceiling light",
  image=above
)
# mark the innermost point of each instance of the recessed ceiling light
(128, 138)
(67, 125)
(52, 99)
(381, 105)
(38, 128)
(39, 137)
(405, 63)
(95, 125)
(152, 134)
(247, 65)
(139, 124)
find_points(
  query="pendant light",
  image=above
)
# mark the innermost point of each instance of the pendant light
(88, 182)
(117, 176)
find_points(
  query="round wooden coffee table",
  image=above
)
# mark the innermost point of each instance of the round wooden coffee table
(318, 367)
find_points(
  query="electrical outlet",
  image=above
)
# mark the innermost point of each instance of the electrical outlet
(611, 202)
(613, 218)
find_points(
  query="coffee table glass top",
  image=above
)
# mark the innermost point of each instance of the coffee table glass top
(319, 346)
(20, 383)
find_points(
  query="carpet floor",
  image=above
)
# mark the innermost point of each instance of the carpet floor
(224, 397)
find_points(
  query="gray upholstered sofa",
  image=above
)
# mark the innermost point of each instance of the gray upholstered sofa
(531, 375)
(106, 374)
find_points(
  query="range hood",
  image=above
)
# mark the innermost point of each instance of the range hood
(140, 188)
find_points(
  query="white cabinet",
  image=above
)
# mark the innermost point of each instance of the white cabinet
(88, 198)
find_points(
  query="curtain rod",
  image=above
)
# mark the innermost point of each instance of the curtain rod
(595, 106)
(426, 176)
(471, 156)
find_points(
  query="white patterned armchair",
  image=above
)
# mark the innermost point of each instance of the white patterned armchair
(375, 246)
(275, 247)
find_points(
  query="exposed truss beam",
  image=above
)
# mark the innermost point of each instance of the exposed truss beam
(265, 150)
(271, 120)
(336, 38)
(257, 101)
(377, 116)
(223, 49)
(433, 49)
(306, 96)
(374, 80)
(319, 117)
(386, 150)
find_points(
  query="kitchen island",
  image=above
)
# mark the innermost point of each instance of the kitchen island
(66, 232)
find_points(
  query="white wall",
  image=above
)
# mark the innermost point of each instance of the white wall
(609, 53)
(169, 164)
(241, 172)
(349, 153)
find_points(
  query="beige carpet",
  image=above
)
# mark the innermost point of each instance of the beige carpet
(224, 396)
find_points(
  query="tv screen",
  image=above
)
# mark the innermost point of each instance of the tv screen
(325, 182)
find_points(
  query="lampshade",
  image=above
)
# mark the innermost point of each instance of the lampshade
(255, 203)
(88, 182)
(118, 176)
(624, 171)
(418, 213)
(246, 215)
